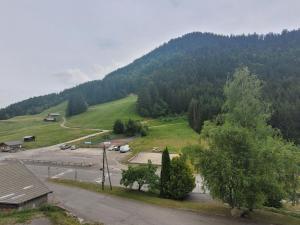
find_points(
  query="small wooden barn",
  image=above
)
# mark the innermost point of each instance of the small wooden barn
(10, 146)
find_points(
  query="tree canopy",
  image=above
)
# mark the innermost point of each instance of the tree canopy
(248, 164)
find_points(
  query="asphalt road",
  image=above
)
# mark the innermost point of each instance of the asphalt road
(103, 208)
(117, 211)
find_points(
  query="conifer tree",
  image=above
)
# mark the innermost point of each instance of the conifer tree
(165, 173)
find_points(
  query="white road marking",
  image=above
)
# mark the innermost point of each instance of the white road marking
(62, 173)
(99, 180)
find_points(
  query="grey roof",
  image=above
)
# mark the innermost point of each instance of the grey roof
(12, 143)
(18, 184)
(54, 114)
(29, 136)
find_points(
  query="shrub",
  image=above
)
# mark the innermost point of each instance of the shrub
(182, 180)
(142, 175)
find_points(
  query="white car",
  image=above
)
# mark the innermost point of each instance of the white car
(111, 148)
(124, 148)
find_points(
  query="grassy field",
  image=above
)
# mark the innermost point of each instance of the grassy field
(216, 208)
(104, 115)
(56, 215)
(47, 133)
(172, 132)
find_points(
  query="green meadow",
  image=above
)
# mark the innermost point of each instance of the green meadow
(173, 132)
(103, 116)
(47, 133)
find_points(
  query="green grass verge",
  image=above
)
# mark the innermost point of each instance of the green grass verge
(213, 208)
(56, 215)
(207, 208)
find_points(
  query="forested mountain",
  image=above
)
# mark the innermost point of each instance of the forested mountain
(187, 74)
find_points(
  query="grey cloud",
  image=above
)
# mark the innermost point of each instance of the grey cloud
(66, 42)
(72, 77)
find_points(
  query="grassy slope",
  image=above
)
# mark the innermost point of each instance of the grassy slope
(172, 132)
(46, 133)
(104, 115)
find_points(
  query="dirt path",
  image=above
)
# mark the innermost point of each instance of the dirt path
(63, 125)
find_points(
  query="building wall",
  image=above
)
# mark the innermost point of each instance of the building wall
(34, 203)
(31, 204)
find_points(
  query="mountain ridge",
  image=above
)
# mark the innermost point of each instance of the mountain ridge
(195, 64)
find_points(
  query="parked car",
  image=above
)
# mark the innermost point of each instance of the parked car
(113, 148)
(73, 147)
(124, 148)
(65, 146)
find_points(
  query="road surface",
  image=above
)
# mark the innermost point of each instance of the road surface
(111, 210)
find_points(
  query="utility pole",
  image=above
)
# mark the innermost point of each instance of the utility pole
(104, 160)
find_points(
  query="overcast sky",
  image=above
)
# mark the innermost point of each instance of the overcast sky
(49, 45)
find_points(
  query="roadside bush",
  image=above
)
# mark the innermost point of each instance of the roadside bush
(176, 178)
(182, 180)
(141, 175)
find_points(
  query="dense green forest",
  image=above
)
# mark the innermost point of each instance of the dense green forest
(187, 74)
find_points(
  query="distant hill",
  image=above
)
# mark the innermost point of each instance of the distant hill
(196, 66)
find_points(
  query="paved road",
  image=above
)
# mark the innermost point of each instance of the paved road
(117, 211)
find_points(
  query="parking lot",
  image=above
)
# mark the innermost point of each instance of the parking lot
(82, 164)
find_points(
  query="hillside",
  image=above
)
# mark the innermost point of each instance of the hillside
(174, 132)
(195, 67)
(103, 116)
(47, 133)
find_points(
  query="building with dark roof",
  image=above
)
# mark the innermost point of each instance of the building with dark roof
(29, 138)
(54, 114)
(50, 119)
(10, 146)
(20, 188)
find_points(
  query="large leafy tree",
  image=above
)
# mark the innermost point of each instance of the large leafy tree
(141, 175)
(247, 163)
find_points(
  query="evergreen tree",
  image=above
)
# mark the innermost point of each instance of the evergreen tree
(119, 127)
(76, 105)
(165, 173)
